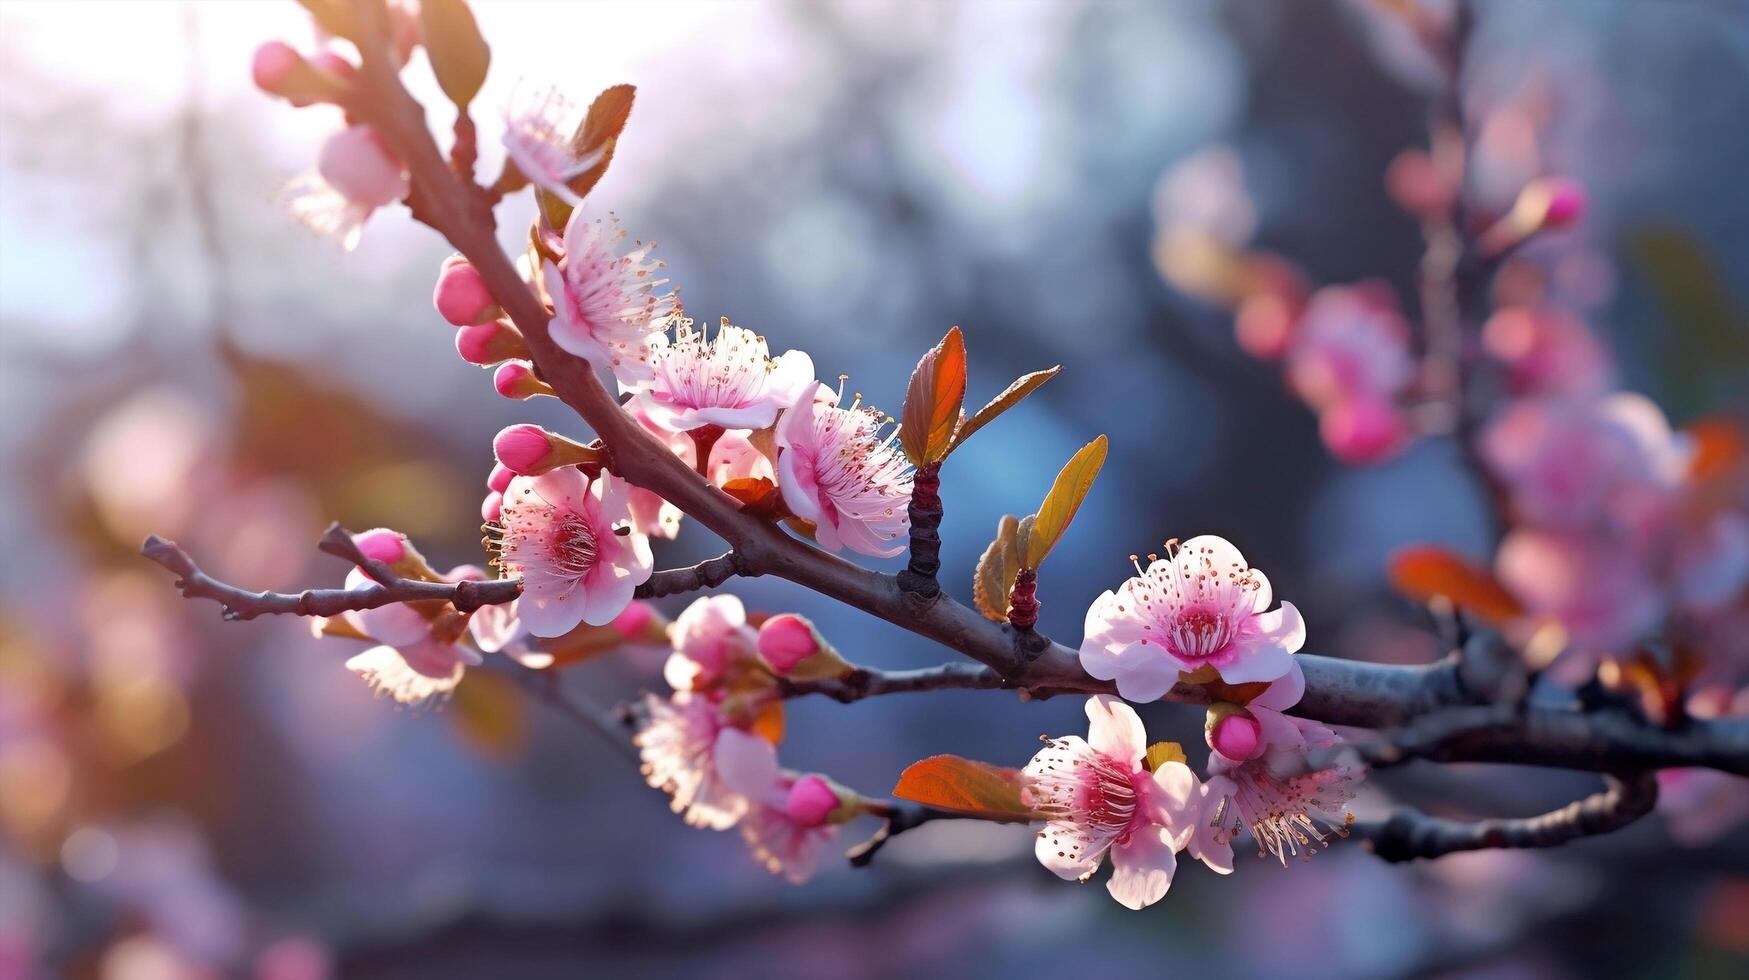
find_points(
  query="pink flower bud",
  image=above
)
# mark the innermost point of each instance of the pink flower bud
(634, 621)
(1362, 430)
(1237, 736)
(492, 507)
(274, 65)
(811, 801)
(357, 164)
(489, 343)
(381, 544)
(523, 449)
(516, 380)
(332, 63)
(500, 478)
(786, 640)
(1565, 201)
(1264, 325)
(461, 296)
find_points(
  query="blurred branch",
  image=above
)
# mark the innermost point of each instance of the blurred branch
(1409, 834)
(707, 574)
(239, 604)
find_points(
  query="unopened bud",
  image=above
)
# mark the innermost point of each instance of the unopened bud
(278, 69)
(499, 479)
(1233, 732)
(492, 507)
(529, 450)
(1545, 204)
(516, 380)
(785, 640)
(393, 549)
(358, 165)
(461, 296)
(811, 801)
(640, 622)
(1362, 430)
(489, 343)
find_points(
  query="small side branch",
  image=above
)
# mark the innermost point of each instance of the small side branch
(864, 682)
(898, 817)
(707, 574)
(239, 603)
(1409, 834)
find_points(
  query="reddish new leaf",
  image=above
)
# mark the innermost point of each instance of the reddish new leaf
(758, 496)
(600, 131)
(933, 401)
(948, 782)
(1423, 572)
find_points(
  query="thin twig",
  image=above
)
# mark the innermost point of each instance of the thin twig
(898, 817)
(1409, 834)
(865, 682)
(707, 574)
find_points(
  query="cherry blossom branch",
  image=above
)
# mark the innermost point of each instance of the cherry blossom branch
(1409, 834)
(242, 604)
(707, 574)
(865, 682)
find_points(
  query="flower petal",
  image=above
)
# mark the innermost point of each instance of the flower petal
(746, 763)
(1260, 660)
(1059, 849)
(1175, 800)
(1142, 868)
(1115, 730)
(1284, 626)
(1284, 692)
(1145, 674)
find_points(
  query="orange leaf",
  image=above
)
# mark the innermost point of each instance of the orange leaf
(934, 400)
(600, 130)
(768, 723)
(993, 579)
(758, 496)
(1423, 572)
(1070, 488)
(1011, 396)
(1719, 447)
(948, 782)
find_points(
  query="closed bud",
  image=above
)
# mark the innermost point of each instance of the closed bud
(1233, 732)
(642, 623)
(489, 343)
(492, 507)
(393, 549)
(278, 69)
(529, 450)
(515, 379)
(461, 296)
(499, 479)
(1545, 204)
(1363, 430)
(811, 801)
(786, 640)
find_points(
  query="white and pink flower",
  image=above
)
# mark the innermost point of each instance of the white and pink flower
(355, 174)
(540, 126)
(677, 743)
(710, 637)
(410, 664)
(1547, 351)
(570, 540)
(1099, 797)
(731, 381)
(1286, 809)
(606, 305)
(788, 815)
(836, 469)
(1200, 606)
(1350, 343)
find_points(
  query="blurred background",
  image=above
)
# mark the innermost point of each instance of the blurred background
(182, 797)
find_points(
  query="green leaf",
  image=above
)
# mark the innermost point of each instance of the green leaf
(1011, 396)
(459, 54)
(933, 401)
(1070, 488)
(948, 782)
(993, 580)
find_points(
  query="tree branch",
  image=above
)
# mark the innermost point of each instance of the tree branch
(240, 604)
(866, 682)
(1409, 834)
(707, 574)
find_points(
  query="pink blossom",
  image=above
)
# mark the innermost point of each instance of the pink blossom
(1351, 343)
(355, 174)
(1285, 809)
(488, 343)
(710, 637)
(539, 130)
(836, 470)
(516, 380)
(784, 840)
(410, 664)
(1710, 562)
(1363, 429)
(1201, 606)
(1600, 591)
(1567, 464)
(558, 532)
(730, 381)
(498, 629)
(677, 742)
(1098, 796)
(606, 306)
(1547, 351)
(786, 640)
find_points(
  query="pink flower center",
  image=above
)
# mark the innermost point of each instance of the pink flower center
(1289, 814)
(732, 371)
(1091, 800)
(861, 474)
(551, 547)
(1200, 633)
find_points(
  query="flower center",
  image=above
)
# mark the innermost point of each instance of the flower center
(570, 546)
(1092, 800)
(1199, 633)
